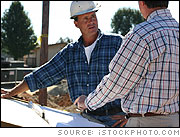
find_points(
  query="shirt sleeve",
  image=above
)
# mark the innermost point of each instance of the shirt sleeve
(48, 74)
(126, 69)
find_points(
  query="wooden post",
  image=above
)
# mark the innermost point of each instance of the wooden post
(44, 48)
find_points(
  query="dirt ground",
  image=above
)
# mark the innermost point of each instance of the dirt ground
(58, 97)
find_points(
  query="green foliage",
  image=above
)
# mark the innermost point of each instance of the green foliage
(17, 35)
(125, 19)
(65, 40)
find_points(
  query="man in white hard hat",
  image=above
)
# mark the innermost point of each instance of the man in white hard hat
(83, 63)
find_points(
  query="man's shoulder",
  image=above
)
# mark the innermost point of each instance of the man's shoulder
(112, 36)
(111, 40)
(140, 26)
(70, 47)
(143, 29)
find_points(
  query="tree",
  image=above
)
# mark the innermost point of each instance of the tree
(65, 40)
(125, 19)
(17, 35)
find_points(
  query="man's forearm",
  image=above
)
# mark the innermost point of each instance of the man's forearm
(21, 87)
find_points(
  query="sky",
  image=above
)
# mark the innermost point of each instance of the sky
(60, 24)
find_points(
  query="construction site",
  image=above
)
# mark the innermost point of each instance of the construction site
(115, 79)
(40, 105)
(12, 72)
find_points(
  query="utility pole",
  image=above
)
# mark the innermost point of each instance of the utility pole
(44, 48)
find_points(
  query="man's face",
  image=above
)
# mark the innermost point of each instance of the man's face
(87, 23)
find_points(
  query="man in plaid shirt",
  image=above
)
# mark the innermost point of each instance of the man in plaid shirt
(144, 73)
(83, 63)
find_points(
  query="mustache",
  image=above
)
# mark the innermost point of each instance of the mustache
(91, 25)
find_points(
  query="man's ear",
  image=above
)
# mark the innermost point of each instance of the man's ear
(76, 24)
(143, 3)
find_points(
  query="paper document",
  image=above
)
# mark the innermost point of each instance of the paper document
(30, 115)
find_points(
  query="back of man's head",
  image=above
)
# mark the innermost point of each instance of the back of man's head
(155, 4)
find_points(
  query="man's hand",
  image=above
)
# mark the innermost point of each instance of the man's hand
(20, 88)
(5, 93)
(80, 102)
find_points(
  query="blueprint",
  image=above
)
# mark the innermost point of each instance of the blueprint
(19, 113)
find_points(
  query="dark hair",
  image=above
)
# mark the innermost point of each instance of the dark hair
(155, 4)
(76, 18)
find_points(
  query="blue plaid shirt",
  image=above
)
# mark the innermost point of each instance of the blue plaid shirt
(71, 63)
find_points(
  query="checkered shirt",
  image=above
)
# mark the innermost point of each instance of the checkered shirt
(144, 73)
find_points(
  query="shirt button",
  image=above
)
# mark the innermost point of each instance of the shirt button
(85, 61)
(88, 73)
(87, 85)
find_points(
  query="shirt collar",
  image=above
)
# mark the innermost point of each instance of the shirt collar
(161, 12)
(100, 34)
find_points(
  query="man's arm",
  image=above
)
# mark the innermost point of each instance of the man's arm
(126, 69)
(21, 87)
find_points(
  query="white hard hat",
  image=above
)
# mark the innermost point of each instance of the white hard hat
(82, 7)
